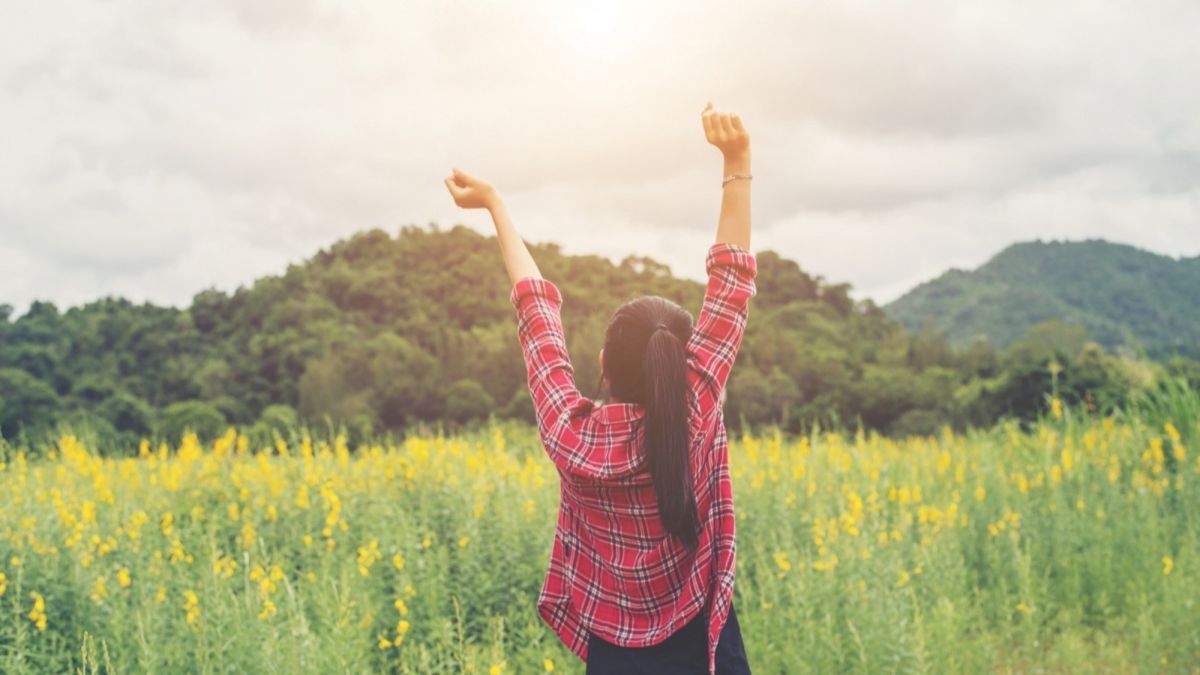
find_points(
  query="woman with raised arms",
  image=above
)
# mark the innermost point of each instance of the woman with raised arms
(641, 570)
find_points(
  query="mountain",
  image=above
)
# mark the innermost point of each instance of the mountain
(1120, 294)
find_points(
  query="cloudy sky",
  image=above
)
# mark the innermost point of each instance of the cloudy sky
(154, 148)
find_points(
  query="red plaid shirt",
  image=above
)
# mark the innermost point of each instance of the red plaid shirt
(613, 568)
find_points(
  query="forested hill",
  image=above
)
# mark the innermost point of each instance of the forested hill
(1120, 294)
(379, 332)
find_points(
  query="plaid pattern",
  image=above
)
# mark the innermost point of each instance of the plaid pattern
(613, 569)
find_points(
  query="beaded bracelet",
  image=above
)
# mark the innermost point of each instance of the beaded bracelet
(735, 177)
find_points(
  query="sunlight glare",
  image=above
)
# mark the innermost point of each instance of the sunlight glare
(597, 30)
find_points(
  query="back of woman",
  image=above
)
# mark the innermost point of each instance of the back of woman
(614, 534)
(641, 570)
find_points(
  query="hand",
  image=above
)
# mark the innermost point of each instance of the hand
(725, 131)
(470, 192)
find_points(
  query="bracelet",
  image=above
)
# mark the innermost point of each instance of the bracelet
(735, 177)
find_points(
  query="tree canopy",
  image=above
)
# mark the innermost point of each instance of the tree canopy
(380, 332)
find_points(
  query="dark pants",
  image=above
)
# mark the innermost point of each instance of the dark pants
(684, 653)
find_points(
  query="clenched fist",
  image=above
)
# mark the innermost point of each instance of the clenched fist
(470, 192)
(725, 131)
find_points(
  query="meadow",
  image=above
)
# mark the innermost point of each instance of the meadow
(1069, 546)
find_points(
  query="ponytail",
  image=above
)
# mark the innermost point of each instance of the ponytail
(664, 371)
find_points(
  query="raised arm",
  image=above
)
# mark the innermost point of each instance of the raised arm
(731, 267)
(470, 192)
(559, 406)
(725, 131)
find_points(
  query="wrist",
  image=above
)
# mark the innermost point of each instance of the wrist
(737, 163)
(492, 202)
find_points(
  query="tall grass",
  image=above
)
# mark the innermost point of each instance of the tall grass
(1071, 547)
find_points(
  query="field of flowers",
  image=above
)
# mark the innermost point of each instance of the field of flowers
(1069, 547)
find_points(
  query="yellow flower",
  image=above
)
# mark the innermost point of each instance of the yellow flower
(1172, 432)
(462, 542)
(1168, 564)
(826, 565)
(191, 607)
(401, 607)
(367, 556)
(3, 584)
(1056, 407)
(398, 561)
(268, 610)
(384, 643)
(903, 580)
(123, 578)
(1023, 608)
(38, 614)
(549, 665)
(99, 590)
(402, 627)
(426, 543)
(497, 669)
(782, 562)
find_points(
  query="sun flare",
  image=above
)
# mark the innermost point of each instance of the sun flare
(597, 30)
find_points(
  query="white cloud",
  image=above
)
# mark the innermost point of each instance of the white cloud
(155, 149)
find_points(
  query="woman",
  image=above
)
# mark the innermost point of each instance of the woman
(642, 565)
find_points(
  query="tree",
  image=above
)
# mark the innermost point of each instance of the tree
(929, 347)
(26, 403)
(407, 382)
(279, 417)
(750, 398)
(520, 407)
(467, 400)
(199, 417)
(917, 422)
(979, 358)
(337, 386)
(127, 413)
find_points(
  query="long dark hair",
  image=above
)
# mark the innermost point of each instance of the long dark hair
(645, 362)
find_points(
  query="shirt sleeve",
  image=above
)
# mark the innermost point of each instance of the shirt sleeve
(717, 335)
(560, 408)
